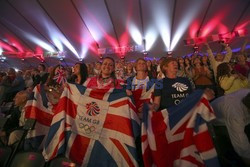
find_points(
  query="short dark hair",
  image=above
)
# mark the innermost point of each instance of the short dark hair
(43, 66)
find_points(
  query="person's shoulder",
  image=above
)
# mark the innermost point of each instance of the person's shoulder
(152, 79)
(120, 81)
(183, 79)
(130, 78)
(90, 81)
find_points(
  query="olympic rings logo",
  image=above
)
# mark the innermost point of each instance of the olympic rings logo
(88, 129)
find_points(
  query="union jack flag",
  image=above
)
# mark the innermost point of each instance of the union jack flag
(178, 136)
(142, 91)
(39, 108)
(106, 139)
(142, 96)
(60, 76)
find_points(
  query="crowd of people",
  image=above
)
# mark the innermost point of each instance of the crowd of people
(170, 79)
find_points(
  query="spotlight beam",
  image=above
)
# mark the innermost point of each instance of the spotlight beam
(84, 23)
(23, 41)
(141, 18)
(172, 25)
(241, 15)
(204, 17)
(31, 24)
(9, 45)
(52, 19)
(112, 21)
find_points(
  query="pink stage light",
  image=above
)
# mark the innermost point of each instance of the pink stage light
(194, 29)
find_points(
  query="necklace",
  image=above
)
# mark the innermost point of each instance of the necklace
(105, 80)
(102, 82)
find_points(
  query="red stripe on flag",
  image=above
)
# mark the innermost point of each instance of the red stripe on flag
(122, 151)
(98, 93)
(200, 144)
(39, 115)
(158, 124)
(79, 149)
(144, 138)
(206, 103)
(68, 105)
(147, 157)
(120, 103)
(124, 102)
(159, 128)
(188, 137)
(118, 123)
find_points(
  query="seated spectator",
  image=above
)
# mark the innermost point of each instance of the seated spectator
(90, 70)
(242, 66)
(230, 111)
(119, 71)
(28, 79)
(151, 70)
(129, 72)
(201, 75)
(97, 69)
(12, 130)
(18, 84)
(181, 68)
(188, 68)
(35, 77)
(5, 86)
(43, 74)
(2, 74)
(160, 74)
(228, 81)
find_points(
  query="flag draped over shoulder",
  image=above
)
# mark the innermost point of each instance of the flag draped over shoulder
(179, 136)
(39, 108)
(94, 128)
(142, 96)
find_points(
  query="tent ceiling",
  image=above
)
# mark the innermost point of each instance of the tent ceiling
(80, 27)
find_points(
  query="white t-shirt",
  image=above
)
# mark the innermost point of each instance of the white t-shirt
(230, 111)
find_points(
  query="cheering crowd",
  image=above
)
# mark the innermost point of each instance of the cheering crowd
(163, 83)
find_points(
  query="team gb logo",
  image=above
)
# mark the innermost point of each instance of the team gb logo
(180, 87)
(92, 109)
